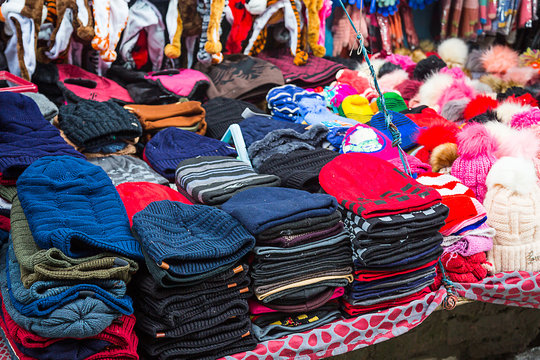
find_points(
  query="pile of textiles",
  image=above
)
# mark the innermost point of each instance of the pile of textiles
(393, 222)
(192, 300)
(302, 259)
(467, 237)
(67, 263)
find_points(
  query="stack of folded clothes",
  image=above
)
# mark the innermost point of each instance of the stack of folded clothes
(188, 115)
(467, 237)
(66, 266)
(192, 301)
(99, 128)
(301, 261)
(393, 222)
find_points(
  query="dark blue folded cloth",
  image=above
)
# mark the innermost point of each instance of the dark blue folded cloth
(67, 349)
(255, 128)
(262, 208)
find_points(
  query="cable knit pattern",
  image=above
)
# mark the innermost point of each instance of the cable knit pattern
(190, 239)
(72, 205)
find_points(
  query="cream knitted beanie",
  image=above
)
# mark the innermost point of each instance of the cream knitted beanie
(513, 209)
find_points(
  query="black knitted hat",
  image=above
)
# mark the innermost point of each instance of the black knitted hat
(299, 169)
(387, 68)
(222, 112)
(427, 66)
(92, 123)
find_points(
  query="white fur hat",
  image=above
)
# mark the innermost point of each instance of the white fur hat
(513, 209)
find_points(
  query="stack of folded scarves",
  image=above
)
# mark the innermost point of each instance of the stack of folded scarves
(467, 237)
(302, 259)
(393, 222)
(192, 301)
(67, 263)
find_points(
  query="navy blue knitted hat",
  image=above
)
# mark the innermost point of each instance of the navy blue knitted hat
(25, 135)
(256, 127)
(406, 126)
(72, 205)
(190, 239)
(170, 146)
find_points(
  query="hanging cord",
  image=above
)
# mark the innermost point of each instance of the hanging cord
(394, 131)
(450, 301)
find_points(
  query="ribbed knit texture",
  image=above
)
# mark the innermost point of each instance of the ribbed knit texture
(222, 112)
(125, 168)
(91, 123)
(212, 180)
(52, 264)
(472, 172)
(261, 208)
(170, 146)
(256, 128)
(406, 127)
(298, 169)
(72, 205)
(43, 297)
(393, 101)
(26, 136)
(191, 239)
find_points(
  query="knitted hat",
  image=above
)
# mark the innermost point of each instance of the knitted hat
(393, 101)
(261, 208)
(476, 149)
(387, 68)
(363, 138)
(188, 83)
(185, 115)
(356, 107)
(298, 169)
(427, 66)
(91, 123)
(257, 127)
(137, 195)
(212, 180)
(513, 194)
(170, 146)
(48, 109)
(81, 197)
(376, 188)
(25, 136)
(125, 168)
(406, 127)
(190, 239)
(221, 112)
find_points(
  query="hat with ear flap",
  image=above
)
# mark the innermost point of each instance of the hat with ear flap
(513, 210)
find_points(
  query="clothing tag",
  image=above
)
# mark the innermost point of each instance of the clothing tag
(247, 113)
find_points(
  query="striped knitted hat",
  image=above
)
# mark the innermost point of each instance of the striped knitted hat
(125, 168)
(212, 180)
(72, 205)
(190, 239)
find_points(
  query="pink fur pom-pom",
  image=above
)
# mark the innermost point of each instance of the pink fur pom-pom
(455, 72)
(499, 59)
(520, 75)
(402, 60)
(526, 119)
(475, 140)
(391, 80)
(458, 90)
(523, 144)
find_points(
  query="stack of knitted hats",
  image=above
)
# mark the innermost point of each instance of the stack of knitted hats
(394, 224)
(99, 128)
(467, 237)
(67, 264)
(192, 300)
(302, 258)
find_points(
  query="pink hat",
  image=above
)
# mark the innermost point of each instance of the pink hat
(476, 149)
(363, 138)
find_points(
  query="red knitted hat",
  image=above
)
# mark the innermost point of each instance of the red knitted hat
(373, 187)
(137, 195)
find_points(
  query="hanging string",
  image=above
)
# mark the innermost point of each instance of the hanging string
(450, 301)
(394, 131)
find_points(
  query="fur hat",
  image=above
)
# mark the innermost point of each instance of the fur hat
(476, 149)
(454, 52)
(513, 206)
(433, 89)
(443, 156)
(479, 105)
(508, 109)
(427, 66)
(526, 119)
(453, 109)
(499, 59)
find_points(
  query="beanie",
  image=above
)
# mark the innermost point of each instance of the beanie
(72, 205)
(125, 168)
(137, 195)
(406, 127)
(387, 68)
(476, 149)
(91, 123)
(256, 127)
(356, 107)
(376, 188)
(212, 180)
(393, 101)
(26, 136)
(190, 239)
(512, 203)
(299, 169)
(48, 109)
(427, 66)
(363, 138)
(170, 146)
(221, 112)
